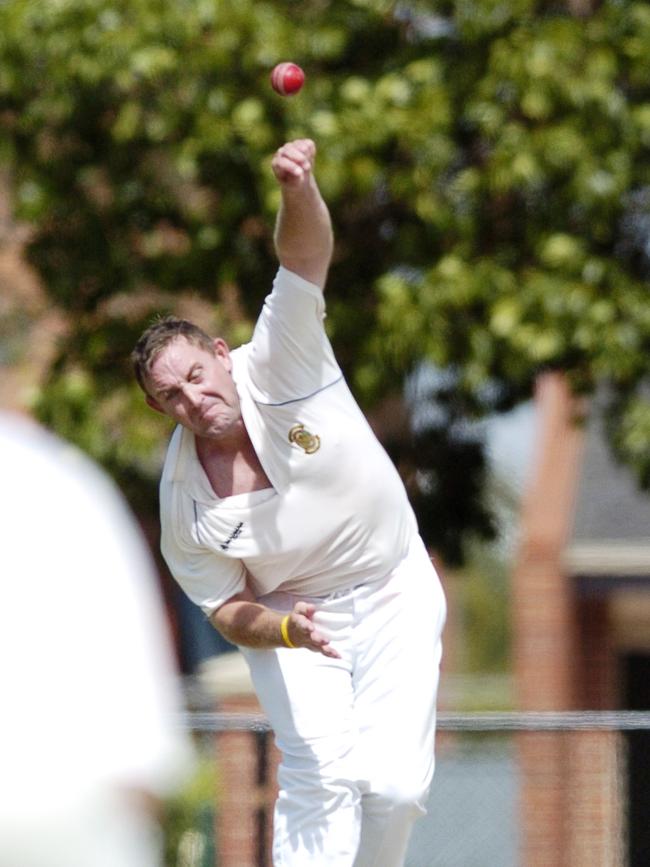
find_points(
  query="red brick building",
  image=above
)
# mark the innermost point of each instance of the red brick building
(581, 616)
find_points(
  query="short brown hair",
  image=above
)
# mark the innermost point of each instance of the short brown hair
(160, 335)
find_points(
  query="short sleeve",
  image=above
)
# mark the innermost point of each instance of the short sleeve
(207, 578)
(290, 356)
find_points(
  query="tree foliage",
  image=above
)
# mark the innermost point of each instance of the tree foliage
(486, 164)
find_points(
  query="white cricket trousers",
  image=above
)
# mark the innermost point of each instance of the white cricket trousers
(356, 733)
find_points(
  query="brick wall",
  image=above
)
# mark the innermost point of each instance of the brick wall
(563, 660)
(247, 770)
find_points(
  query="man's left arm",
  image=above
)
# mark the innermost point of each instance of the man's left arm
(303, 231)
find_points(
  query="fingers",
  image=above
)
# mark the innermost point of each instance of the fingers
(330, 652)
(323, 646)
(305, 634)
(294, 160)
(307, 609)
(318, 643)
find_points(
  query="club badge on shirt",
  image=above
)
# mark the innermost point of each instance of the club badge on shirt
(308, 442)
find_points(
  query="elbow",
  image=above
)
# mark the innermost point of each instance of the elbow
(222, 620)
(227, 618)
(313, 269)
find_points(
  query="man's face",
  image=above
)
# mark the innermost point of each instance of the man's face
(195, 388)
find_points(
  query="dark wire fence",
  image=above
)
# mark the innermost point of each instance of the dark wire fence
(511, 789)
(494, 721)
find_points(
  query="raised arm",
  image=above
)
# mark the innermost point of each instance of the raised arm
(303, 231)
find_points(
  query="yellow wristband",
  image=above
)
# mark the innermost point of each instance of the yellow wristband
(284, 629)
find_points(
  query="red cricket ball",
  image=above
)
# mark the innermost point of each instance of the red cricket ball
(287, 78)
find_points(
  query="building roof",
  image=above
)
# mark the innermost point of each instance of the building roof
(611, 528)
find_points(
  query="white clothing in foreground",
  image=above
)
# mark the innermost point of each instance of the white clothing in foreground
(337, 515)
(91, 704)
(356, 733)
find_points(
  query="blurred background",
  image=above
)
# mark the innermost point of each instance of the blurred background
(486, 163)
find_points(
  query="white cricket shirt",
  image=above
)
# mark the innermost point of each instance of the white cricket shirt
(337, 514)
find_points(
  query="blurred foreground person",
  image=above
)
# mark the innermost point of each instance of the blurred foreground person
(89, 735)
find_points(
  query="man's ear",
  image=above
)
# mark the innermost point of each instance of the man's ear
(153, 403)
(222, 352)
